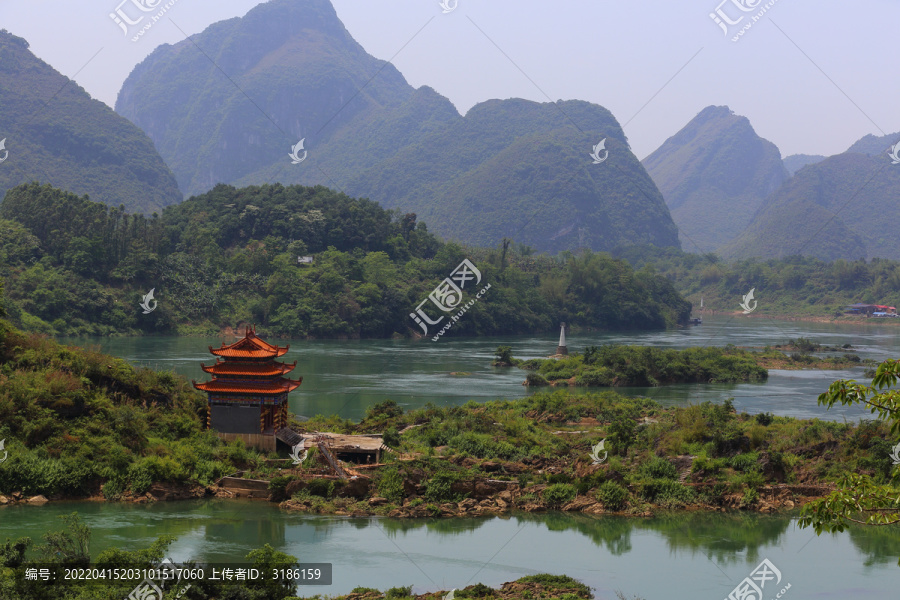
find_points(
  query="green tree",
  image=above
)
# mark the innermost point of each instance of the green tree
(858, 498)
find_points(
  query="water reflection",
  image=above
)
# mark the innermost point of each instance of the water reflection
(705, 553)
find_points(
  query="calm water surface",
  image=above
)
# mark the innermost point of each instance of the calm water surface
(671, 557)
(346, 377)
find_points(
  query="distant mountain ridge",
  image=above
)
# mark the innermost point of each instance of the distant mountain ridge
(846, 206)
(55, 133)
(715, 173)
(874, 145)
(508, 168)
(795, 162)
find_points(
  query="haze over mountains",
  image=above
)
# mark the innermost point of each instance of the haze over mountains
(509, 168)
(228, 105)
(55, 133)
(714, 175)
(729, 191)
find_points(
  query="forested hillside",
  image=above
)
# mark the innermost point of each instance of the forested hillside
(508, 168)
(837, 208)
(715, 174)
(874, 145)
(73, 266)
(55, 133)
(795, 285)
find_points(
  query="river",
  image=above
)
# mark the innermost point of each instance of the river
(346, 377)
(683, 556)
(686, 556)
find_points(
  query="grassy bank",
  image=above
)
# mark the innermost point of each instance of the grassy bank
(534, 454)
(78, 423)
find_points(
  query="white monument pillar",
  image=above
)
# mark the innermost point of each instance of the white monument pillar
(561, 349)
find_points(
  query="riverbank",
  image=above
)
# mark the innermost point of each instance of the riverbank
(549, 587)
(642, 366)
(144, 433)
(843, 319)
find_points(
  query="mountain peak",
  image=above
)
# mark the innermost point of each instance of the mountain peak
(513, 167)
(714, 174)
(74, 142)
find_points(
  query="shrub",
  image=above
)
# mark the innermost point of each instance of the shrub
(504, 356)
(750, 497)
(390, 485)
(586, 484)
(324, 488)
(765, 419)
(532, 364)
(139, 478)
(658, 468)
(438, 488)
(621, 435)
(666, 492)
(703, 464)
(714, 494)
(613, 496)
(594, 378)
(399, 592)
(558, 494)
(535, 379)
(391, 437)
(693, 422)
(554, 584)
(482, 446)
(479, 590)
(559, 478)
(113, 488)
(745, 462)
(757, 435)
(384, 410)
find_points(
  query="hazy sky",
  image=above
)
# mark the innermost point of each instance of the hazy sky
(812, 77)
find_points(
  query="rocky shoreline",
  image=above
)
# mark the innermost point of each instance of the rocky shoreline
(499, 497)
(485, 497)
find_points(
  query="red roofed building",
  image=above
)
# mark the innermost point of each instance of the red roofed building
(248, 393)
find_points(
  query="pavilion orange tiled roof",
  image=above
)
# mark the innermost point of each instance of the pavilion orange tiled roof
(250, 346)
(258, 388)
(231, 369)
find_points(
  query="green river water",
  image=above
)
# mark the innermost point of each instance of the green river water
(687, 556)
